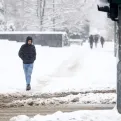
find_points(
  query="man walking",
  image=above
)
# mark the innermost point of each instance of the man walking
(102, 41)
(96, 40)
(27, 53)
(91, 40)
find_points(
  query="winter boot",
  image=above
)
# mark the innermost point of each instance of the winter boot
(28, 87)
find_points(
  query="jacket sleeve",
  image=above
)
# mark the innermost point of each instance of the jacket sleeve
(21, 52)
(34, 52)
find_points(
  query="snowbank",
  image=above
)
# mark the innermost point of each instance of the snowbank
(108, 98)
(107, 115)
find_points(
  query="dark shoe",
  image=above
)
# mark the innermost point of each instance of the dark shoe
(28, 87)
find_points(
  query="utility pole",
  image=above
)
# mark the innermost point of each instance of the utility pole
(53, 15)
(119, 62)
(115, 39)
(114, 12)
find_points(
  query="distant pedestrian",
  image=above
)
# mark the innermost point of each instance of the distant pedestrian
(102, 40)
(27, 53)
(91, 40)
(96, 40)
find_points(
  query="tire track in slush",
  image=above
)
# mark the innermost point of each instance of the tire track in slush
(7, 113)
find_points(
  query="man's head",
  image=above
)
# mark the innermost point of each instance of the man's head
(29, 40)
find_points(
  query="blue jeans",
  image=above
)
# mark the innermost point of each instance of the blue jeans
(28, 68)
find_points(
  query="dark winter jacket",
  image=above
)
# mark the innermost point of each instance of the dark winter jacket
(102, 40)
(27, 52)
(96, 38)
(91, 40)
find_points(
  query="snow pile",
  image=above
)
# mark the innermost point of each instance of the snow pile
(108, 98)
(103, 2)
(20, 118)
(107, 115)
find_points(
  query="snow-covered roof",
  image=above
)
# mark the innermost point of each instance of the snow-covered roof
(31, 32)
(76, 40)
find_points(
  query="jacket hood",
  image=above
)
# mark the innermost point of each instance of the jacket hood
(28, 38)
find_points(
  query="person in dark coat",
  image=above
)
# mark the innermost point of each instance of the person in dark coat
(27, 53)
(102, 41)
(91, 40)
(96, 40)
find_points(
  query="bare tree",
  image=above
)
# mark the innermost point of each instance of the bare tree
(2, 16)
(49, 14)
(41, 11)
(53, 15)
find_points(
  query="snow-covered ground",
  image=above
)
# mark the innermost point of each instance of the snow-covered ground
(75, 68)
(107, 115)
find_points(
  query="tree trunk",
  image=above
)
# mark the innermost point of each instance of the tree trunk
(53, 15)
(42, 14)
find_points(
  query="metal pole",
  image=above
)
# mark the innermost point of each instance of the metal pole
(119, 63)
(115, 40)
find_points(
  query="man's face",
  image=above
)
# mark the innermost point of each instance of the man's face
(30, 42)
